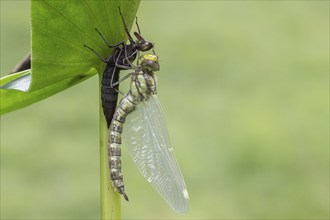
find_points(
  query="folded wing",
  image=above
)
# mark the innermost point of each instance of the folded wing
(149, 146)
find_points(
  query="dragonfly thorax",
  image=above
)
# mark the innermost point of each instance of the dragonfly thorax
(143, 84)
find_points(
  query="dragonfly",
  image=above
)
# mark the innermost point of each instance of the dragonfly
(139, 117)
(122, 56)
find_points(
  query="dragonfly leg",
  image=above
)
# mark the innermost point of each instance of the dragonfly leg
(137, 24)
(114, 70)
(96, 53)
(124, 67)
(122, 79)
(112, 84)
(125, 26)
(117, 90)
(107, 43)
(127, 58)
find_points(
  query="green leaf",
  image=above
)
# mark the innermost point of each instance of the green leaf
(12, 99)
(12, 77)
(59, 59)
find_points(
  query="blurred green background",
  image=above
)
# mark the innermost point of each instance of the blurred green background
(244, 86)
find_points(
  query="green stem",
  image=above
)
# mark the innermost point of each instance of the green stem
(110, 200)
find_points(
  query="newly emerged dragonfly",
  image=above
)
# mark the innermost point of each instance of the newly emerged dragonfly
(122, 55)
(140, 118)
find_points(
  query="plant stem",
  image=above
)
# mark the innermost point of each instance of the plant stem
(110, 200)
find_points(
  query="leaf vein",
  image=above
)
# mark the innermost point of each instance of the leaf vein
(73, 24)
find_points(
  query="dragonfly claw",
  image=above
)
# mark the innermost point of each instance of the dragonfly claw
(121, 191)
(125, 196)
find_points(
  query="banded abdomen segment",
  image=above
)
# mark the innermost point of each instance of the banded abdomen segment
(109, 94)
(126, 106)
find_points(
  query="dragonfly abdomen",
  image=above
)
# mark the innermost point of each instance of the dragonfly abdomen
(142, 85)
(126, 106)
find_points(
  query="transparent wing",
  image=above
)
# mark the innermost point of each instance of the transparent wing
(149, 145)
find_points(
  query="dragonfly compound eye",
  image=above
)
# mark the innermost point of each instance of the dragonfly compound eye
(149, 62)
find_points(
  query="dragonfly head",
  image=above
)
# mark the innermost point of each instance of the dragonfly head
(149, 62)
(142, 44)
